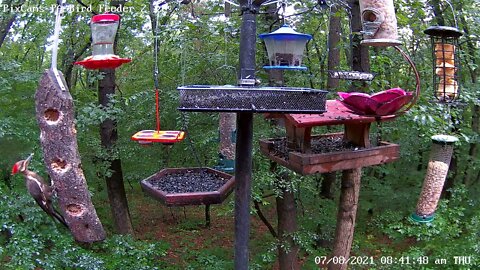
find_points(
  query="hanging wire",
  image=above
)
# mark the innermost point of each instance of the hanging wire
(453, 13)
(156, 73)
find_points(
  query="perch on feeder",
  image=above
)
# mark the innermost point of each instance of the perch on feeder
(440, 156)
(285, 48)
(379, 23)
(104, 28)
(446, 62)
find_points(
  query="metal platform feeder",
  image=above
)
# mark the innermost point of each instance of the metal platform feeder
(251, 99)
(153, 187)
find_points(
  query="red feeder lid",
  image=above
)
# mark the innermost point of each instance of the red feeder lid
(162, 136)
(110, 62)
(107, 17)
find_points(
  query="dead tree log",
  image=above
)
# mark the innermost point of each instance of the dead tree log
(347, 212)
(55, 116)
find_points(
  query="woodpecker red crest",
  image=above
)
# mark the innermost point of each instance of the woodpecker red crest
(22, 165)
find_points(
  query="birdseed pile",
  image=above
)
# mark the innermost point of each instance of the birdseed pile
(188, 182)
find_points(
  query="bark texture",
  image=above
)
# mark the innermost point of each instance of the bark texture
(109, 136)
(347, 212)
(334, 32)
(287, 225)
(55, 117)
(227, 126)
(360, 56)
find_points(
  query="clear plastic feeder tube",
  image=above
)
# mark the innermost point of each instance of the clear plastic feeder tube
(440, 156)
(104, 28)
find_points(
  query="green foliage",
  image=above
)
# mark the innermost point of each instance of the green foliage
(30, 239)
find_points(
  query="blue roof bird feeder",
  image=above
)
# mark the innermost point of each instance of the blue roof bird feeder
(285, 48)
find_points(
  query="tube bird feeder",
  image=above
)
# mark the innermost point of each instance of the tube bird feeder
(104, 28)
(379, 23)
(446, 62)
(285, 48)
(440, 156)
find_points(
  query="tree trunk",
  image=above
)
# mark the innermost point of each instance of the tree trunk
(347, 212)
(5, 25)
(72, 57)
(360, 56)
(109, 136)
(227, 129)
(55, 117)
(334, 34)
(8, 17)
(287, 226)
(328, 181)
(475, 122)
(473, 149)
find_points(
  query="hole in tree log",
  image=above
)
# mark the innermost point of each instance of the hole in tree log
(369, 16)
(52, 116)
(60, 165)
(76, 210)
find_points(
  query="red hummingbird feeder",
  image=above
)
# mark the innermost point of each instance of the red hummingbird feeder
(104, 28)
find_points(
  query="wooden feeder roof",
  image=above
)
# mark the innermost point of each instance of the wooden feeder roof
(336, 114)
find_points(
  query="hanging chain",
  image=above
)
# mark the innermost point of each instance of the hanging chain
(284, 7)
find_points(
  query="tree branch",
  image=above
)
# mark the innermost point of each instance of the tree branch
(264, 219)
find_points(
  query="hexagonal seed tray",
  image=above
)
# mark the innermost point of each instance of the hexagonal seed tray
(251, 99)
(183, 195)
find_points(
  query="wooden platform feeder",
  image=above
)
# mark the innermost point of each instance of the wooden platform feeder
(303, 155)
(182, 195)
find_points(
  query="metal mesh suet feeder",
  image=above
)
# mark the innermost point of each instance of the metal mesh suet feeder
(446, 62)
(379, 23)
(104, 28)
(440, 156)
(285, 48)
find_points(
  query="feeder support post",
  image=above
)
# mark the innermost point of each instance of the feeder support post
(243, 153)
(346, 216)
(440, 156)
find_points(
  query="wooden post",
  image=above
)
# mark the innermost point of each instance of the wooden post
(347, 211)
(347, 206)
(58, 138)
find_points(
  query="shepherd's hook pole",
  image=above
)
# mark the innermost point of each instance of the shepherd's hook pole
(243, 155)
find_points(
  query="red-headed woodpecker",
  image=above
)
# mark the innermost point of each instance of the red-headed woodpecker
(38, 189)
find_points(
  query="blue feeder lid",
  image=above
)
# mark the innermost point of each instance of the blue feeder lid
(285, 32)
(286, 67)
